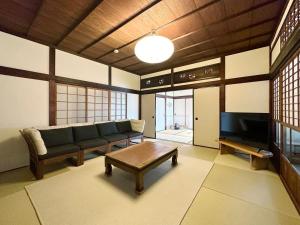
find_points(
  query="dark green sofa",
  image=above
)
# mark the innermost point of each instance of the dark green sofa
(74, 141)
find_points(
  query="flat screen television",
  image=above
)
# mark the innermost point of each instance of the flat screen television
(247, 128)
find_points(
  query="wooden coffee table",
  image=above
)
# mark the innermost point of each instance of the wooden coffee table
(139, 159)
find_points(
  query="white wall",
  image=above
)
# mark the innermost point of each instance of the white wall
(121, 78)
(247, 97)
(132, 106)
(247, 63)
(197, 65)
(24, 103)
(72, 66)
(163, 72)
(22, 54)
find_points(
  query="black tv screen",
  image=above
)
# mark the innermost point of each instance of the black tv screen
(247, 128)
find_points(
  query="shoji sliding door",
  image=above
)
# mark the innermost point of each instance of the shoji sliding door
(206, 117)
(148, 114)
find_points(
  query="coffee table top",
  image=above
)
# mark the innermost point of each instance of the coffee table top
(142, 154)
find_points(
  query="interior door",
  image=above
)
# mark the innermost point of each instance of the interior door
(206, 117)
(148, 114)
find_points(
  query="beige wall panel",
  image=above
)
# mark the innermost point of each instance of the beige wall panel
(132, 106)
(72, 66)
(24, 103)
(248, 97)
(275, 51)
(121, 78)
(22, 54)
(247, 63)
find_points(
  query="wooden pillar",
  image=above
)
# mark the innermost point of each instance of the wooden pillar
(52, 88)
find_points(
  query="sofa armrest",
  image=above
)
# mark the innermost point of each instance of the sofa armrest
(138, 125)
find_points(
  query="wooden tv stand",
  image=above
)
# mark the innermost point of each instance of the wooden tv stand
(258, 159)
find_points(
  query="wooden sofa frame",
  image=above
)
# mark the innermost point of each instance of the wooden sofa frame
(77, 158)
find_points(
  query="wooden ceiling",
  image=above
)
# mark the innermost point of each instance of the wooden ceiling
(199, 29)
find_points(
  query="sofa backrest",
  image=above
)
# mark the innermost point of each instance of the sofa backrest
(106, 129)
(82, 133)
(124, 126)
(55, 137)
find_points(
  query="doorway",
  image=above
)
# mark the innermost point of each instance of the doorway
(174, 116)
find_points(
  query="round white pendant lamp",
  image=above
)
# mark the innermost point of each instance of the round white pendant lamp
(154, 49)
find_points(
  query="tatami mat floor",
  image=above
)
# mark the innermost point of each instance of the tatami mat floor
(232, 194)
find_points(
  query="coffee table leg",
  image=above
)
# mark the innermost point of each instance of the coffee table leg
(174, 159)
(139, 183)
(108, 169)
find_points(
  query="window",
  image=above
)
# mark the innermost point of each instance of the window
(277, 128)
(290, 91)
(77, 104)
(97, 105)
(276, 99)
(71, 104)
(118, 105)
(291, 23)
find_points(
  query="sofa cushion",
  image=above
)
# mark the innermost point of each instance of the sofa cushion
(55, 137)
(91, 143)
(82, 133)
(115, 137)
(106, 129)
(60, 150)
(132, 134)
(36, 139)
(124, 126)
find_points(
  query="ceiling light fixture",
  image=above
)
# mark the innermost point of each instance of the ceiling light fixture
(154, 48)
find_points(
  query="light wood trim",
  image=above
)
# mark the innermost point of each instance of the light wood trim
(243, 148)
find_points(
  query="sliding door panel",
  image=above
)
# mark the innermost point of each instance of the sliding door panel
(206, 117)
(148, 114)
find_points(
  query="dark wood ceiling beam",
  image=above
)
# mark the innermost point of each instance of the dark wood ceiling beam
(164, 25)
(226, 19)
(180, 59)
(215, 38)
(76, 23)
(34, 18)
(123, 23)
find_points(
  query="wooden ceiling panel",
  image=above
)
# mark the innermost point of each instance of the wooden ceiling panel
(130, 61)
(262, 39)
(218, 29)
(183, 26)
(180, 8)
(17, 16)
(238, 22)
(265, 27)
(107, 15)
(240, 35)
(213, 13)
(139, 26)
(55, 17)
(94, 52)
(233, 7)
(267, 11)
(200, 3)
